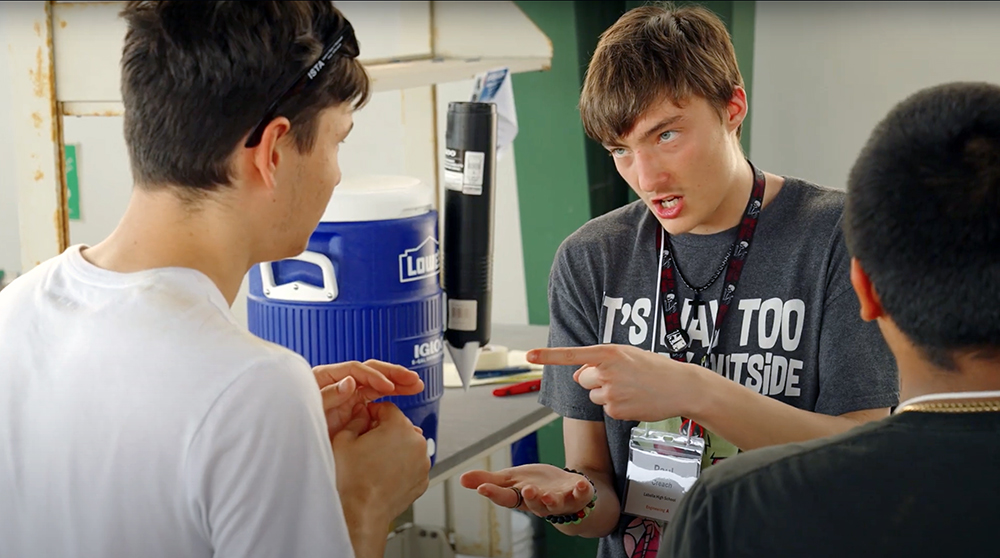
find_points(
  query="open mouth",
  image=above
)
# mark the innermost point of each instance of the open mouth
(670, 202)
(668, 207)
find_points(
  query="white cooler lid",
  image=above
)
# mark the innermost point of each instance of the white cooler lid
(378, 198)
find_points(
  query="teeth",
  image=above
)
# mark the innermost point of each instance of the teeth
(669, 203)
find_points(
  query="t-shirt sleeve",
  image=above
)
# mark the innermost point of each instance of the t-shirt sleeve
(856, 369)
(573, 322)
(260, 469)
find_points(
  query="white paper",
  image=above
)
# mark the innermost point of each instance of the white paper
(495, 87)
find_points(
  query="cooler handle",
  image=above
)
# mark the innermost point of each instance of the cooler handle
(298, 291)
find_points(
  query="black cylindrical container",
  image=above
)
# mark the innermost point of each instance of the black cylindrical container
(470, 182)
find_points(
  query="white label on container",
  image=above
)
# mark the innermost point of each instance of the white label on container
(475, 161)
(462, 314)
(453, 169)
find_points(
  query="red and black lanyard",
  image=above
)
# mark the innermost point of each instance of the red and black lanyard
(677, 340)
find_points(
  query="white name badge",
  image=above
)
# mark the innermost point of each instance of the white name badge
(662, 468)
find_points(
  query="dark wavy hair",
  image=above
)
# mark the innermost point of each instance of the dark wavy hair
(923, 218)
(197, 76)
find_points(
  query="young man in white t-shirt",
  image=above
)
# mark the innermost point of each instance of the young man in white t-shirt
(136, 417)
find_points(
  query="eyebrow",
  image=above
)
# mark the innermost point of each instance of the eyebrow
(661, 125)
(651, 130)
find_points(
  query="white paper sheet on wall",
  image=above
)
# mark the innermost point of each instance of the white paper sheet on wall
(495, 87)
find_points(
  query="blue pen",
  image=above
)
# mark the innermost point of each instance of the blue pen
(509, 371)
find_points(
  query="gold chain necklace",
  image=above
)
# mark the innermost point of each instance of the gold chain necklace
(952, 407)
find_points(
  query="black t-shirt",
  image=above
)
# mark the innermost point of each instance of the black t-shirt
(915, 484)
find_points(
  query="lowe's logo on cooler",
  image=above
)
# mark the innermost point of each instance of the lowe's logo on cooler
(420, 262)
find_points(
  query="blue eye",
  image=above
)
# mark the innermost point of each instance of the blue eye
(666, 136)
(618, 152)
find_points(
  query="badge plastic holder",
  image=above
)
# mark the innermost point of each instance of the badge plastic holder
(662, 468)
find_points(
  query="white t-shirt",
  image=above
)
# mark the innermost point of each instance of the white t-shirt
(138, 419)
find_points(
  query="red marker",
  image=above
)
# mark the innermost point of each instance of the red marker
(517, 389)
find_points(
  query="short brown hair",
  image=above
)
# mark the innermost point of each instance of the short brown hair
(655, 53)
(198, 75)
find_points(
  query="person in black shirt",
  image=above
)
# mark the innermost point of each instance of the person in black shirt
(922, 223)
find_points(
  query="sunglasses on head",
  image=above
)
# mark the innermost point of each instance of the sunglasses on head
(309, 75)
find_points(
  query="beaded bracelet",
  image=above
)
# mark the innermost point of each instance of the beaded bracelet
(574, 518)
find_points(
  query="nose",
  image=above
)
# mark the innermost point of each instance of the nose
(649, 173)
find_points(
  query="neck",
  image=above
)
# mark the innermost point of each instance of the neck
(971, 374)
(739, 179)
(159, 230)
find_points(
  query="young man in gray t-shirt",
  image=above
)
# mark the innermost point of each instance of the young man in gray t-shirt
(636, 296)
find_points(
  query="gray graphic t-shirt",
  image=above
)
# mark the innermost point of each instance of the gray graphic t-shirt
(793, 331)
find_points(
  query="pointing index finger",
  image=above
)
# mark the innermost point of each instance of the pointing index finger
(568, 356)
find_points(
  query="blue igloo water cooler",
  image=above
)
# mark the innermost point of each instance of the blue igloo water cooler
(366, 287)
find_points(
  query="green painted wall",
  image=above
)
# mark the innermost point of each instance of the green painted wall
(607, 189)
(741, 26)
(550, 151)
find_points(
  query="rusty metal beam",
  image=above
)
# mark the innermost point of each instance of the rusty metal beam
(43, 219)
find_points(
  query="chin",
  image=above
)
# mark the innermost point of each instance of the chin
(298, 248)
(674, 227)
(679, 225)
(288, 250)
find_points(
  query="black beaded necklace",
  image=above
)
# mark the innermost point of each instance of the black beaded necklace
(698, 290)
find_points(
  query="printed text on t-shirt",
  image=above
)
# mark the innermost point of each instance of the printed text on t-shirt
(770, 330)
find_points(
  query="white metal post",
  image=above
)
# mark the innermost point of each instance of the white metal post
(40, 183)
